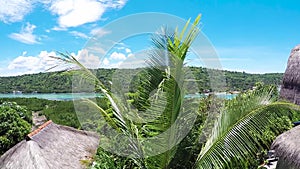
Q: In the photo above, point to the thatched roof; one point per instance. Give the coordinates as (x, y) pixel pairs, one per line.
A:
(290, 89)
(287, 148)
(51, 146)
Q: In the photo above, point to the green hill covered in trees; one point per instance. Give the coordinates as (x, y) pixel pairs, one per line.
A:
(58, 82)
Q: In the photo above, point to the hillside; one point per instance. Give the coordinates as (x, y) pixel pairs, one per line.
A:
(58, 82)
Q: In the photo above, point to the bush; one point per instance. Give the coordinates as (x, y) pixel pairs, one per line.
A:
(15, 123)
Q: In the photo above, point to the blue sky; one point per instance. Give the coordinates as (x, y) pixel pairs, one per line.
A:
(255, 36)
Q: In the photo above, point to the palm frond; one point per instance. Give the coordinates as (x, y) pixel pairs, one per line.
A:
(233, 135)
(167, 57)
(86, 74)
(119, 125)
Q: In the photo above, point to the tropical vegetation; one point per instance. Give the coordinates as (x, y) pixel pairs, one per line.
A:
(15, 124)
(224, 134)
(58, 82)
(214, 133)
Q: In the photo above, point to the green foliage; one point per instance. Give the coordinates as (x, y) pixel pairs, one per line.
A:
(172, 83)
(242, 81)
(32, 104)
(190, 146)
(107, 160)
(90, 119)
(276, 126)
(51, 82)
(239, 131)
(62, 82)
(42, 83)
(15, 123)
(187, 152)
(227, 134)
(61, 112)
(21, 110)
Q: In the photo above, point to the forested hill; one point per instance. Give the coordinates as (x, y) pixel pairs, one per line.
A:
(58, 82)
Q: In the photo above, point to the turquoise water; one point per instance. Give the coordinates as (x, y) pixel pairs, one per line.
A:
(220, 95)
(75, 96)
(51, 96)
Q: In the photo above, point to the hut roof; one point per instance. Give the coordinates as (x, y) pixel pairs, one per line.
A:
(292, 73)
(290, 89)
(287, 148)
(51, 146)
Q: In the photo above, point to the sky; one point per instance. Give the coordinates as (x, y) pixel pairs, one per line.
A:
(254, 36)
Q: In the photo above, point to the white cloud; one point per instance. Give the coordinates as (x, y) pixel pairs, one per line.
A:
(119, 60)
(99, 32)
(130, 55)
(73, 13)
(79, 34)
(118, 4)
(22, 62)
(57, 28)
(28, 64)
(117, 56)
(87, 59)
(109, 64)
(26, 35)
(14, 10)
(33, 64)
(24, 53)
(42, 63)
(105, 61)
(127, 50)
(96, 49)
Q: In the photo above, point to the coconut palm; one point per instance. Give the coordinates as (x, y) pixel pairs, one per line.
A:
(231, 135)
(238, 132)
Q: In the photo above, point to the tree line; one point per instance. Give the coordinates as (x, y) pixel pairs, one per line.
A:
(61, 82)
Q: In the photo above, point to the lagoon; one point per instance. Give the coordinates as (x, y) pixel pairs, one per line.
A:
(76, 96)
(220, 95)
(51, 96)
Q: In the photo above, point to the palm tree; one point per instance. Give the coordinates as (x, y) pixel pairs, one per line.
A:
(238, 132)
(230, 133)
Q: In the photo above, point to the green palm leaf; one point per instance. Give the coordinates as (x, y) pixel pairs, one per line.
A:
(230, 136)
(118, 122)
(233, 135)
(170, 50)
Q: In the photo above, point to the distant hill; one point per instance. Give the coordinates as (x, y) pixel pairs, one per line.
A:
(58, 82)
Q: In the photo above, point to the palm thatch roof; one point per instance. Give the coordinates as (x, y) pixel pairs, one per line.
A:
(290, 89)
(287, 148)
(51, 146)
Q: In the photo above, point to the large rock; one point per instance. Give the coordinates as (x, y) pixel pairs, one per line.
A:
(290, 89)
